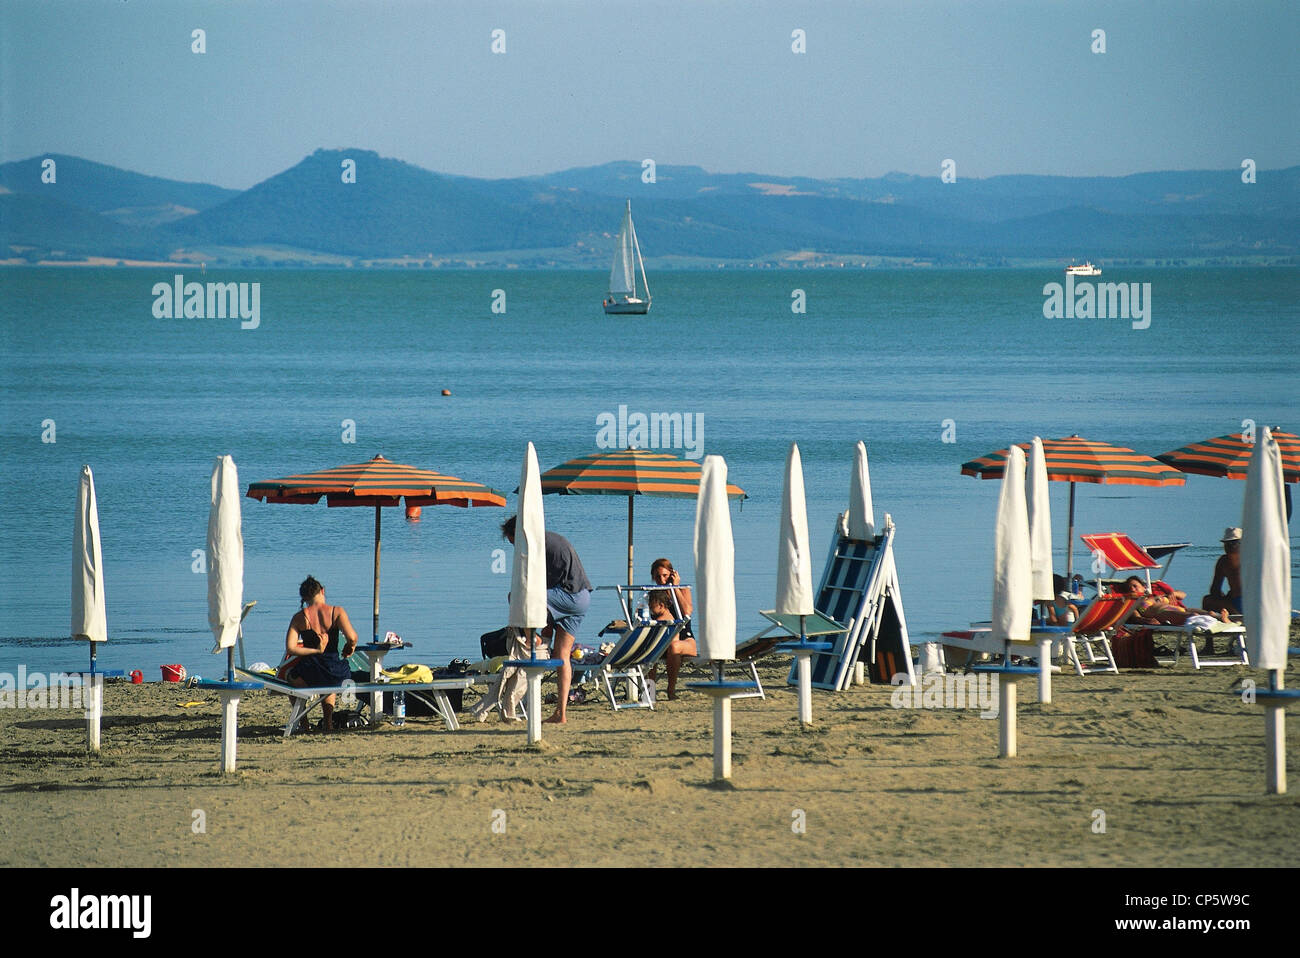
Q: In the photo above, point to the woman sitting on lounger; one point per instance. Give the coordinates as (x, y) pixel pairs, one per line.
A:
(660, 604)
(312, 644)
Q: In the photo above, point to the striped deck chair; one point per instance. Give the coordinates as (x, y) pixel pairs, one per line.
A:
(1121, 553)
(637, 650)
(1092, 629)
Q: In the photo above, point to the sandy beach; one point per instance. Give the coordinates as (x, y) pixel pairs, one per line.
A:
(1173, 760)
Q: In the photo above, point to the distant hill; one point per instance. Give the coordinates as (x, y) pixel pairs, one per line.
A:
(42, 227)
(115, 192)
(395, 211)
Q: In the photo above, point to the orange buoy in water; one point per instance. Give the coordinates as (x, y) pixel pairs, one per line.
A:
(413, 513)
(446, 392)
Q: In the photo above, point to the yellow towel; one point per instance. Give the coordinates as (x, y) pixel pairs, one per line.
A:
(409, 673)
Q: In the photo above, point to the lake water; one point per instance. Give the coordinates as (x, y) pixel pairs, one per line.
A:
(887, 357)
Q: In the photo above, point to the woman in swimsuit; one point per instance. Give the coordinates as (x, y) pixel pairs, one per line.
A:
(312, 645)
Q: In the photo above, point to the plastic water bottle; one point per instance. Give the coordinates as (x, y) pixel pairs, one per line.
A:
(642, 613)
(399, 708)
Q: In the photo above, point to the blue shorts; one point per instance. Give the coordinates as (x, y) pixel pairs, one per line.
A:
(566, 610)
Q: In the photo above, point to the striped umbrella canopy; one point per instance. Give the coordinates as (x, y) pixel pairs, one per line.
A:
(1228, 457)
(629, 472)
(377, 483)
(1075, 459)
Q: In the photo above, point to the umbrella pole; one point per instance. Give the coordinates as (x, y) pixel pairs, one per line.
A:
(1069, 541)
(1275, 739)
(629, 540)
(94, 714)
(375, 626)
(805, 675)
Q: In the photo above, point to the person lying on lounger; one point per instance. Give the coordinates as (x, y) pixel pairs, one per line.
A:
(312, 645)
(1168, 609)
(660, 604)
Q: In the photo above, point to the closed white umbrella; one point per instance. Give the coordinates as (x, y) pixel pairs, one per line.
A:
(1040, 552)
(1013, 589)
(1040, 523)
(528, 577)
(1266, 557)
(715, 566)
(225, 555)
(861, 519)
(226, 595)
(528, 584)
(715, 601)
(89, 615)
(794, 590)
(89, 610)
(1266, 592)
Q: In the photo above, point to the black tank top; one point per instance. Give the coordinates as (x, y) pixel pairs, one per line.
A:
(331, 638)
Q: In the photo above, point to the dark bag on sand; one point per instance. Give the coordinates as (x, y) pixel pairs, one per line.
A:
(495, 643)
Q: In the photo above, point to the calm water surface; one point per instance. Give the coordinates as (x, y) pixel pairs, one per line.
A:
(886, 357)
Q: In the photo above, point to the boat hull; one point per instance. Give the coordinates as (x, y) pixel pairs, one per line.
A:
(634, 307)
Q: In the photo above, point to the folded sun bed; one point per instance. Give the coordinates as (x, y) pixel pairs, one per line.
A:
(305, 699)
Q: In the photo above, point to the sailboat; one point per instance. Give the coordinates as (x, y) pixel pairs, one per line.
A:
(622, 298)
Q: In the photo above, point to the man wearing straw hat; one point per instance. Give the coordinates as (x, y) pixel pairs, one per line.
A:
(1226, 571)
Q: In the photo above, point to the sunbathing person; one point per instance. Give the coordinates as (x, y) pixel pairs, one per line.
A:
(312, 646)
(660, 604)
(1227, 571)
(1163, 609)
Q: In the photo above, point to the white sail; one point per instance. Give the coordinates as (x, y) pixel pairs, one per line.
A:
(622, 275)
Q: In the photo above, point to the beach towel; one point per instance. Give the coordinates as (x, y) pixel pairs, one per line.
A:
(409, 673)
(1134, 650)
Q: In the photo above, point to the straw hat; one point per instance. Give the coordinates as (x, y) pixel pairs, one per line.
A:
(1231, 534)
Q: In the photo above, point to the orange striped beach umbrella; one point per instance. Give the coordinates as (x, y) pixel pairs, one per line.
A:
(377, 483)
(1228, 457)
(1075, 459)
(629, 472)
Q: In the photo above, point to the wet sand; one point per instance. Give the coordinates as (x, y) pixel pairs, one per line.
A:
(1173, 761)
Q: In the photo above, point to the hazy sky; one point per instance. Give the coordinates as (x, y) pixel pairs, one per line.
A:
(999, 87)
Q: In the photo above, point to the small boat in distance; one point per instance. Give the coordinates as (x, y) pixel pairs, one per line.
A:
(1085, 269)
(623, 298)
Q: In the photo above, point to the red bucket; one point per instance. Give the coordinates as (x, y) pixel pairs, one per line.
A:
(173, 673)
(137, 677)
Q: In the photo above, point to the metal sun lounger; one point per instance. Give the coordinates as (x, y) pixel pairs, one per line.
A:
(305, 699)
